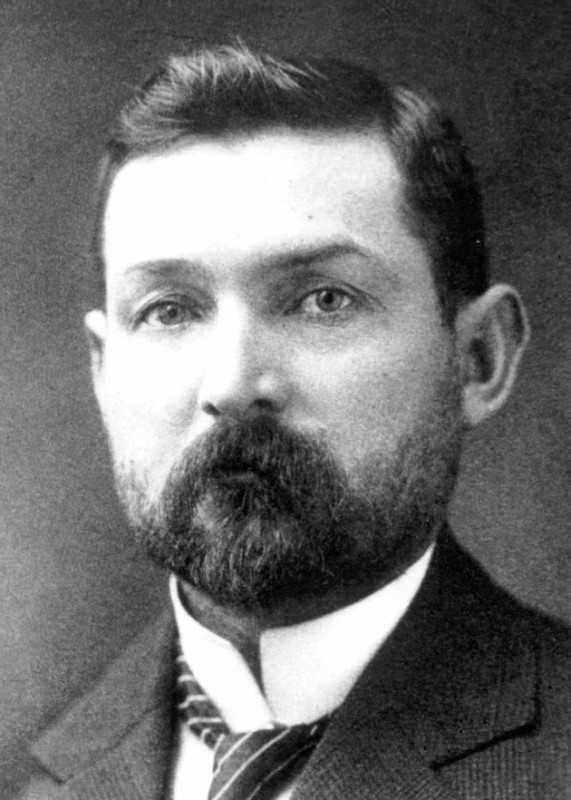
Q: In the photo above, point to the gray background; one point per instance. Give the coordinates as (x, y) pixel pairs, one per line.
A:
(73, 588)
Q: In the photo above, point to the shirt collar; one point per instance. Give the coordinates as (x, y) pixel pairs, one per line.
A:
(307, 669)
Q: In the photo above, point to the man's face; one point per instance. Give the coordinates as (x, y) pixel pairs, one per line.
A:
(270, 283)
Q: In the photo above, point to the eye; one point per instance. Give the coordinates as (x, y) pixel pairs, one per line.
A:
(167, 314)
(327, 301)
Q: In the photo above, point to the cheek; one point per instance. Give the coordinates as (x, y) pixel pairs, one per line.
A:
(367, 401)
(146, 400)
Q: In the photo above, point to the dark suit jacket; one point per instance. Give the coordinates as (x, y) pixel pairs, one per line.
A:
(469, 698)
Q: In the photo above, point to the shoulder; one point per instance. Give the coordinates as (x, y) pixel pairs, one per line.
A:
(531, 652)
(492, 615)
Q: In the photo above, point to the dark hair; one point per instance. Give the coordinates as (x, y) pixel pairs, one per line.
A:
(231, 90)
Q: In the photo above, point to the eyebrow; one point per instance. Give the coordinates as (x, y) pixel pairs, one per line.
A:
(307, 256)
(296, 258)
(161, 267)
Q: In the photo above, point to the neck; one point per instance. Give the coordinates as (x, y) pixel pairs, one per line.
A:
(244, 628)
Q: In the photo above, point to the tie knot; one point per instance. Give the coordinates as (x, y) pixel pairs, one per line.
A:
(247, 766)
(255, 764)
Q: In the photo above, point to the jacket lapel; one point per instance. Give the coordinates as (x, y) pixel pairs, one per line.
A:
(137, 769)
(458, 675)
(117, 742)
(375, 766)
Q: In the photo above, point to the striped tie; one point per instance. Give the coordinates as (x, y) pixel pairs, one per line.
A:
(247, 766)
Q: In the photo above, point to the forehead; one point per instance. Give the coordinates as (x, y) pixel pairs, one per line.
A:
(235, 196)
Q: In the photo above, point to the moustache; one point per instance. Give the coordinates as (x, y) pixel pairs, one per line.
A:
(260, 450)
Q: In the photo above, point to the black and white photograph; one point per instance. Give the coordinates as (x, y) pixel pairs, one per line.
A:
(285, 487)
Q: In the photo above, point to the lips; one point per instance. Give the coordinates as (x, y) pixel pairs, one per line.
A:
(239, 474)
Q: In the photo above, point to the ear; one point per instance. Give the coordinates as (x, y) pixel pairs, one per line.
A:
(96, 329)
(491, 334)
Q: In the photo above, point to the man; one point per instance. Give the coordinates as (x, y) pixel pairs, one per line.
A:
(298, 330)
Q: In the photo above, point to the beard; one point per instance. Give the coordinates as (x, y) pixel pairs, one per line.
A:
(256, 514)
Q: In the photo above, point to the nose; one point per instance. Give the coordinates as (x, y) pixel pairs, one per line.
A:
(243, 375)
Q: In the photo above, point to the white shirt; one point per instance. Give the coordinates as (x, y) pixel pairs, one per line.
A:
(307, 670)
